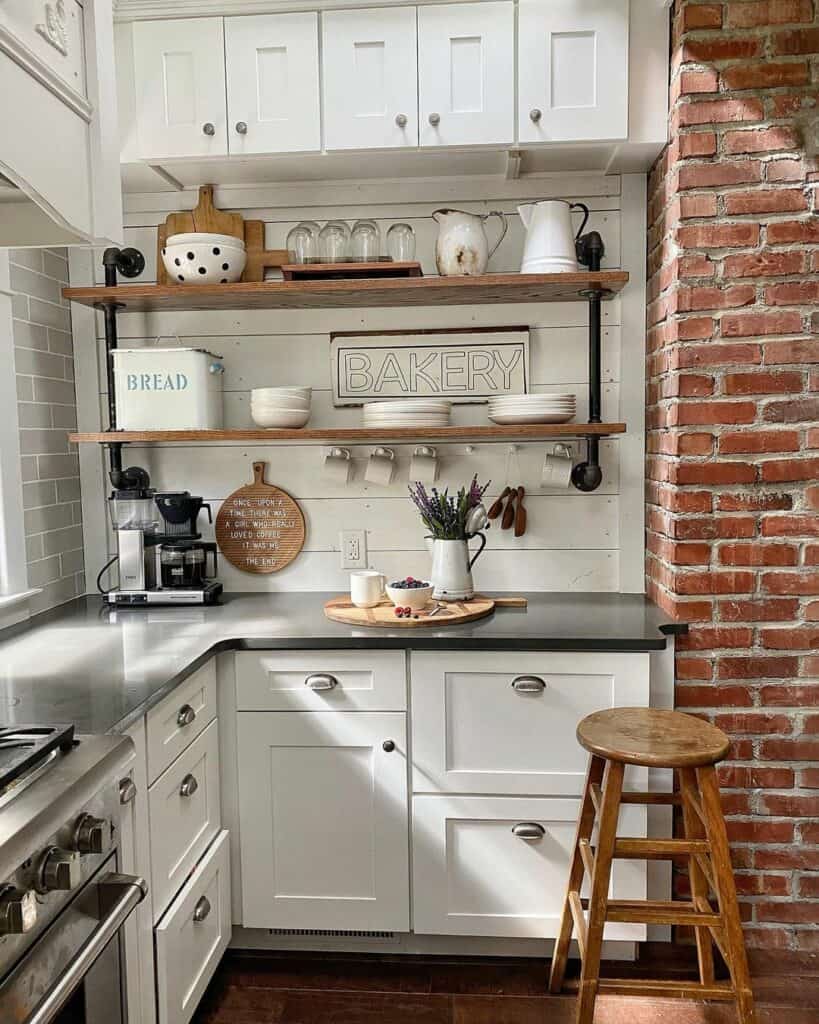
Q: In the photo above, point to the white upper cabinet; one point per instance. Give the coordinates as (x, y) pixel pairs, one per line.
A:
(370, 78)
(273, 83)
(572, 70)
(179, 70)
(466, 60)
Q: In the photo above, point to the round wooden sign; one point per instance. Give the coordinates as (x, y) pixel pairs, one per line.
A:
(260, 528)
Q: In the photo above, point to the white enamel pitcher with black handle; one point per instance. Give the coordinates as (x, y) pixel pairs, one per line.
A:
(550, 237)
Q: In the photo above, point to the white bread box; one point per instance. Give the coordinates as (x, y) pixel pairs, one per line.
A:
(168, 389)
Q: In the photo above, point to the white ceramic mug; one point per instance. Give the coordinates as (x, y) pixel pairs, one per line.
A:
(380, 467)
(424, 465)
(338, 466)
(367, 588)
(557, 467)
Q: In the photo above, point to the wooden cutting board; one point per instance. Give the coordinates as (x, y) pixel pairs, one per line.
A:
(260, 528)
(205, 217)
(454, 613)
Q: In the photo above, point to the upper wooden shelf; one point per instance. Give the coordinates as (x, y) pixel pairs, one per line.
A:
(364, 435)
(416, 291)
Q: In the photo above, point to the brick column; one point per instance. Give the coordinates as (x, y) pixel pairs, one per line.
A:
(733, 442)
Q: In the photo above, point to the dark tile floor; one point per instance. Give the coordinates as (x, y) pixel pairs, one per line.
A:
(283, 988)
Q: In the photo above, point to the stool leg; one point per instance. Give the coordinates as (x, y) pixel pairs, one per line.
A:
(585, 824)
(694, 829)
(599, 897)
(726, 893)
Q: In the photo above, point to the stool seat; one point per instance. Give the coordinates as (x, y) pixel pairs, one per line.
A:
(652, 737)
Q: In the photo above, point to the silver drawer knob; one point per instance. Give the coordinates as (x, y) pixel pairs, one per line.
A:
(189, 786)
(434, 120)
(201, 910)
(241, 127)
(528, 684)
(208, 128)
(401, 120)
(529, 830)
(535, 115)
(321, 681)
(127, 790)
(186, 716)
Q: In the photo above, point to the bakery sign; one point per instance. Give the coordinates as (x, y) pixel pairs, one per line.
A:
(462, 366)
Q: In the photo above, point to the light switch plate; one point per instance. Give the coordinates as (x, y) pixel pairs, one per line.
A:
(353, 549)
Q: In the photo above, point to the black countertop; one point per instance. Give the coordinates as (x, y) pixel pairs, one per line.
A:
(102, 669)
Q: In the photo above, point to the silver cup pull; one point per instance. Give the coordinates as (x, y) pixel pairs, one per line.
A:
(401, 120)
(189, 786)
(535, 115)
(241, 127)
(434, 120)
(528, 684)
(321, 681)
(201, 910)
(529, 830)
(185, 716)
(209, 128)
(127, 791)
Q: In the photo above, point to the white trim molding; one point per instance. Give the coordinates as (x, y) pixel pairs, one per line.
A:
(153, 10)
(46, 76)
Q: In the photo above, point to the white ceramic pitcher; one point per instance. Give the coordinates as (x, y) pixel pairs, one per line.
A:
(452, 569)
(550, 238)
(462, 248)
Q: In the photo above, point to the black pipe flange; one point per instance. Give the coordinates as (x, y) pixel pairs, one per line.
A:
(127, 262)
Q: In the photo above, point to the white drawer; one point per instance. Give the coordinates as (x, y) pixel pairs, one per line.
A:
(185, 815)
(321, 681)
(474, 876)
(178, 720)
(473, 731)
(193, 935)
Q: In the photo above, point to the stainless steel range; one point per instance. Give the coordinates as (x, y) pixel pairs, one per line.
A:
(62, 900)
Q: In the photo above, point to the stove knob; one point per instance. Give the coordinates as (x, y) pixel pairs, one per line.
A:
(18, 910)
(59, 870)
(92, 835)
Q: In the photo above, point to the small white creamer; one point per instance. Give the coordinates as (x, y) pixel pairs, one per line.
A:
(168, 389)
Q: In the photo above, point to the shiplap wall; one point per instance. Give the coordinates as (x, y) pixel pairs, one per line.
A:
(574, 541)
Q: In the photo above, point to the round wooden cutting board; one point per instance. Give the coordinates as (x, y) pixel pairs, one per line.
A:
(260, 528)
(454, 613)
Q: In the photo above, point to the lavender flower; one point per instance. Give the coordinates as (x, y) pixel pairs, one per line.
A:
(445, 515)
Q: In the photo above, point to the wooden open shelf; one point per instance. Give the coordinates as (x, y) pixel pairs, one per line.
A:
(418, 291)
(363, 435)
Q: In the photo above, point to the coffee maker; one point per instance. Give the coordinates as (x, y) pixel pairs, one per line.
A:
(159, 566)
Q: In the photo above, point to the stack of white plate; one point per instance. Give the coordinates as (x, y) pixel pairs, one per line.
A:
(280, 407)
(407, 412)
(537, 408)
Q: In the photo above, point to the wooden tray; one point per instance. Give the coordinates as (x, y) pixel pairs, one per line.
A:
(455, 613)
(349, 271)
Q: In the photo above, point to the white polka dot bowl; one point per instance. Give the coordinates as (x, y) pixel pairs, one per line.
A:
(203, 258)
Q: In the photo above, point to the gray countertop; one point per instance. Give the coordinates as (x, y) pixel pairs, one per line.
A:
(101, 669)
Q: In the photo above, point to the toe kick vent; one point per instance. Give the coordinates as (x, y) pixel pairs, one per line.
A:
(327, 933)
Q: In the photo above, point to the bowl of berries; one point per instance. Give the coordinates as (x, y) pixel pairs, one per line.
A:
(409, 595)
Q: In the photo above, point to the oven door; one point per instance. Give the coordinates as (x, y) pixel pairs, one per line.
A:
(71, 975)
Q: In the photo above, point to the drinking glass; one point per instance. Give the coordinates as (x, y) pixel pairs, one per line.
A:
(401, 243)
(301, 244)
(334, 242)
(365, 241)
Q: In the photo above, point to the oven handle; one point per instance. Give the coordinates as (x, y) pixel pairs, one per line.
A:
(119, 895)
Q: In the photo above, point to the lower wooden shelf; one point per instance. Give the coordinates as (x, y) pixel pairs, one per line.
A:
(362, 435)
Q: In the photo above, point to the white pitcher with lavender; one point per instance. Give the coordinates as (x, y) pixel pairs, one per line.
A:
(452, 522)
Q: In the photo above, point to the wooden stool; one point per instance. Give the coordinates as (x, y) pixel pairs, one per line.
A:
(656, 739)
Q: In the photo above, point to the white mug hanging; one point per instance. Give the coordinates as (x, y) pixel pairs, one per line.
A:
(338, 465)
(424, 465)
(557, 467)
(380, 467)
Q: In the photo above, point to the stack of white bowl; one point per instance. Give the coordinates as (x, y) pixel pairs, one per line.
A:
(537, 408)
(283, 408)
(408, 412)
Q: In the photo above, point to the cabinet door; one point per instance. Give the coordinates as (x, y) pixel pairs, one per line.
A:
(573, 70)
(323, 817)
(466, 53)
(179, 71)
(273, 83)
(369, 60)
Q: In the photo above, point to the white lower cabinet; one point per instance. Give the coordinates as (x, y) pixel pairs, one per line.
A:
(193, 934)
(498, 866)
(324, 820)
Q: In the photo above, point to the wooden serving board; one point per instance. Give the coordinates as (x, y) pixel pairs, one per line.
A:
(455, 613)
(349, 271)
(260, 528)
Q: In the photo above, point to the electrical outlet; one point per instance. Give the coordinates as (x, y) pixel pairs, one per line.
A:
(353, 549)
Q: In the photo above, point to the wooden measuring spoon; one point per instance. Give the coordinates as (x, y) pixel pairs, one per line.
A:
(520, 514)
(497, 506)
(509, 512)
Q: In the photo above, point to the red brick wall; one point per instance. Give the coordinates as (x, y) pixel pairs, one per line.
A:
(733, 441)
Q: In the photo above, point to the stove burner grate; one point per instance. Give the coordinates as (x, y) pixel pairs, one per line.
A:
(23, 746)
